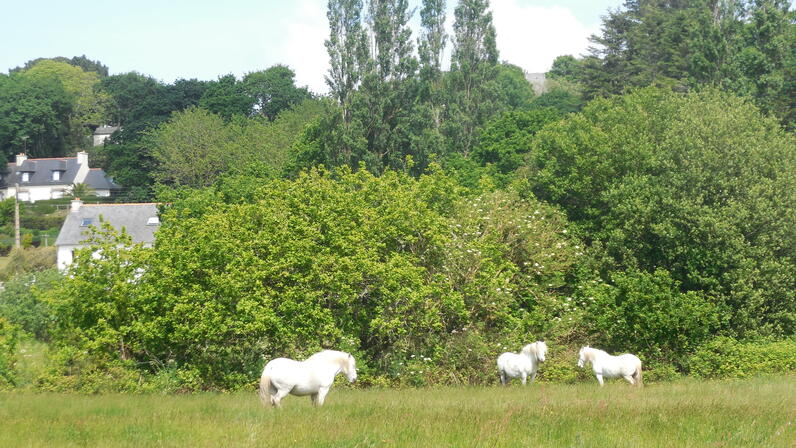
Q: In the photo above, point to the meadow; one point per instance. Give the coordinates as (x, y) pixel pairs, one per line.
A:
(758, 412)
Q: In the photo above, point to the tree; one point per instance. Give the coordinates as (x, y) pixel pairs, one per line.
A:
(347, 48)
(227, 98)
(274, 90)
(90, 103)
(81, 190)
(514, 90)
(471, 86)
(566, 67)
(34, 116)
(188, 148)
(506, 140)
(658, 180)
(78, 61)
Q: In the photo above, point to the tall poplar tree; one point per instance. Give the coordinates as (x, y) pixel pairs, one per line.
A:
(471, 82)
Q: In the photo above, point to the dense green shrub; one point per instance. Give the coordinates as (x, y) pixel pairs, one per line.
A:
(26, 260)
(646, 314)
(72, 369)
(700, 185)
(386, 268)
(42, 222)
(22, 304)
(8, 346)
(725, 357)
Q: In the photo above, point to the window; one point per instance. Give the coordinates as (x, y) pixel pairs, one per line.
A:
(153, 221)
(85, 222)
(25, 176)
(56, 175)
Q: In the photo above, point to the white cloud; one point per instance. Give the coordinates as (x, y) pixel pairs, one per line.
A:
(528, 36)
(303, 49)
(533, 36)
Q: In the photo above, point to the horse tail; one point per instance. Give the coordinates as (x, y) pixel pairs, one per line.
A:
(637, 375)
(265, 389)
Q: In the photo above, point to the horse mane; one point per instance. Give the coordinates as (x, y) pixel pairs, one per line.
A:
(591, 353)
(335, 356)
(531, 349)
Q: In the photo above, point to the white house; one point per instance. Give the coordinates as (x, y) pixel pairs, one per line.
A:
(140, 221)
(103, 133)
(51, 178)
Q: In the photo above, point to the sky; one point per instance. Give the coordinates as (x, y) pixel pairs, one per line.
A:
(204, 39)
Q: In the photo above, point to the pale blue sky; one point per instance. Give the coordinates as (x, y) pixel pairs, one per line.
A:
(170, 39)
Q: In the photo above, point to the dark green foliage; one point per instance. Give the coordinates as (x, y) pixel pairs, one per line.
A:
(505, 140)
(515, 90)
(698, 185)
(227, 97)
(566, 68)
(743, 46)
(274, 90)
(728, 358)
(646, 314)
(34, 116)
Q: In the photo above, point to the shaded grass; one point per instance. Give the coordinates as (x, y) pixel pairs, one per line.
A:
(757, 412)
(4, 262)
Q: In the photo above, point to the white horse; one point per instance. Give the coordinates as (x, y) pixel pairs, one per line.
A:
(512, 365)
(608, 366)
(313, 376)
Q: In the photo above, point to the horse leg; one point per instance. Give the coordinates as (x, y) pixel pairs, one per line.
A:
(599, 378)
(629, 379)
(502, 377)
(276, 398)
(524, 378)
(314, 399)
(533, 376)
(321, 395)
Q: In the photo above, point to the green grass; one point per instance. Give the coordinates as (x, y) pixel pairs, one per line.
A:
(4, 262)
(751, 413)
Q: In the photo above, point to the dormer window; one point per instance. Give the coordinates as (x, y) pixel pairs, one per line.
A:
(85, 222)
(153, 221)
(57, 174)
(25, 176)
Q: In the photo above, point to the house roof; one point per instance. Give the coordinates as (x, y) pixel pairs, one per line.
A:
(41, 171)
(132, 217)
(41, 174)
(97, 180)
(106, 130)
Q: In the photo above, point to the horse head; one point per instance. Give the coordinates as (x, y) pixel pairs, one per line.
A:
(541, 350)
(583, 356)
(350, 368)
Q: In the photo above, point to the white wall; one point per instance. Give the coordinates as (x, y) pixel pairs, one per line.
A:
(64, 256)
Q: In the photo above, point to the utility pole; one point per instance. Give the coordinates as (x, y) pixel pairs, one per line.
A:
(17, 239)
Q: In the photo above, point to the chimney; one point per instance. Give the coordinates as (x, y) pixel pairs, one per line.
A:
(21, 157)
(82, 158)
(76, 203)
(82, 168)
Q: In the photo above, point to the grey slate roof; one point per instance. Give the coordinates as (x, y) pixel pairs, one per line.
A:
(41, 172)
(133, 217)
(97, 179)
(106, 130)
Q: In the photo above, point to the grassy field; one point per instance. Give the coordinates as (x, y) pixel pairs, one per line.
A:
(751, 413)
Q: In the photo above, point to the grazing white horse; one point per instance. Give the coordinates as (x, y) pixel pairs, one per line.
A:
(313, 376)
(512, 365)
(608, 366)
